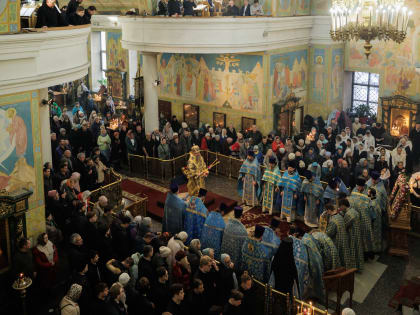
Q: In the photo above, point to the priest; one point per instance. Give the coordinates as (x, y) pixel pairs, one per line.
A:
(290, 183)
(249, 180)
(329, 253)
(316, 266)
(256, 257)
(174, 211)
(271, 236)
(234, 236)
(270, 181)
(213, 229)
(313, 192)
(360, 202)
(195, 215)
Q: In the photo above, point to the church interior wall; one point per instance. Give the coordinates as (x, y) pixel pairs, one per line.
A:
(21, 161)
(9, 16)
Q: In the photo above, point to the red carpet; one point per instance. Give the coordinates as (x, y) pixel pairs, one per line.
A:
(157, 198)
(256, 217)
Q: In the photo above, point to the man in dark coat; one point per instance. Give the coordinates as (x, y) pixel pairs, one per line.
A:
(246, 9)
(232, 10)
(174, 8)
(77, 18)
(415, 139)
(189, 6)
(49, 16)
(72, 6)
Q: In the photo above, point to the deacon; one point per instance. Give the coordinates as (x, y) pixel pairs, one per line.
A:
(336, 229)
(195, 171)
(352, 222)
(256, 257)
(291, 183)
(195, 215)
(271, 236)
(270, 183)
(316, 266)
(234, 236)
(302, 265)
(381, 194)
(360, 202)
(329, 253)
(376, 211)
(213, 229)
(313, 192)
(174, 211)
(249, 179)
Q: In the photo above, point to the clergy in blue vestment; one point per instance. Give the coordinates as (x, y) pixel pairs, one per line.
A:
(234, 237)
(249, 180)
(301, 259)
(290, 183)
(316, 266)
(270, 238)
(256, 257)
(335, 186)
(313, 191)
(195, 215)
(174, 211)
(381, 194)
(213, 229)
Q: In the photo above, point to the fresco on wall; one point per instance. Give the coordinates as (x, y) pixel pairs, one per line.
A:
(283, 8)
(319, 76)
(320, 7)
(9, 16)
(302, 7)
(266, 4)
(117, 57)
(337, 68)
(289, 72)
(16, 145)
(231, 81)
(396, 63)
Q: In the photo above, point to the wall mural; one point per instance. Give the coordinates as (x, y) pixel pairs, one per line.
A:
(302, 7)
(9, 16)
(320, 7)
(289, 71)
(117, 57)
(230, 81)
(337, 75)
(16, 145)
(319, 82)
(396, 63)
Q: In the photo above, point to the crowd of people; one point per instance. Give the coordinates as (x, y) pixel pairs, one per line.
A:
(118, 265)
(50, 15)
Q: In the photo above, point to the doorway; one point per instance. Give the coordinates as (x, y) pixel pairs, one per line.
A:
(165, 110)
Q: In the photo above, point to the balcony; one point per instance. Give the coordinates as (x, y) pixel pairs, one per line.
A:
(220, 34)
(40, 59)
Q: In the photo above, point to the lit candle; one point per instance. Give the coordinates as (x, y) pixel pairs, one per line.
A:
(21, 276)
(370, 17)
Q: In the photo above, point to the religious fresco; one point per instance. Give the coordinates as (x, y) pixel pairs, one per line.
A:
(320, 7)
(302, 7)
(9, 16)
(117, 57)
(397, 64)
(289, 72)
(337, 68)
(283, 8)
(319, 75)
(229, 81)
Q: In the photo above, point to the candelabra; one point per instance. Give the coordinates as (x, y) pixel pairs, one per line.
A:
(369, 20)
(20, 285)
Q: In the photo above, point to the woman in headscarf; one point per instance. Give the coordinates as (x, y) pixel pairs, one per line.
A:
(398, 155)
(100, 169)
(46, 259)
(267, 157)
(75, 177)
(167, 131)
(277, 144)
(227, 278)
(194, 254)
(66, 124)
(68, 305)
(145, 226)
(92, 117)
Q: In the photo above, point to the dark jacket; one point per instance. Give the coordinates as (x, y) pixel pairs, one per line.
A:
(247, 11)
(75, 19)
(49, 17)
(72, 6)
(163, 8)
(232, 11)
(174, 7)
(189, 6)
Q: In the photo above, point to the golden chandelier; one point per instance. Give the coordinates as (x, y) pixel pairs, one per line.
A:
(369, 20)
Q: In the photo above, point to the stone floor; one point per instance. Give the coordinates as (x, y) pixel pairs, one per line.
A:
(388, 271)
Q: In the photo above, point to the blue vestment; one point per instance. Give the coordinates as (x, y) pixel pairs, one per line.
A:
(173, 214)
(301, 260)
(316, 265)
(195, 216)
(291, 185)
(271, 240)
(234, 237)
(212, 234)
(248, 173)
(256, 259)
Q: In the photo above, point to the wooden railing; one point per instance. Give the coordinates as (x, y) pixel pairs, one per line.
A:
(111, 189)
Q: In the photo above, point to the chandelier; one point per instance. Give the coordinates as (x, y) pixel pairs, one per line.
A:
(369, 20)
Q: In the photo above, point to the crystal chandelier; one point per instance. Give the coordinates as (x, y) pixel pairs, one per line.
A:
(369, 20)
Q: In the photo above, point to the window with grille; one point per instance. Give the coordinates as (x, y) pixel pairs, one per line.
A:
(103, 54)
(365, 90)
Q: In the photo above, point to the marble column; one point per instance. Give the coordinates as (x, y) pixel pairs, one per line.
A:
(44, 119)
(150, 75)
